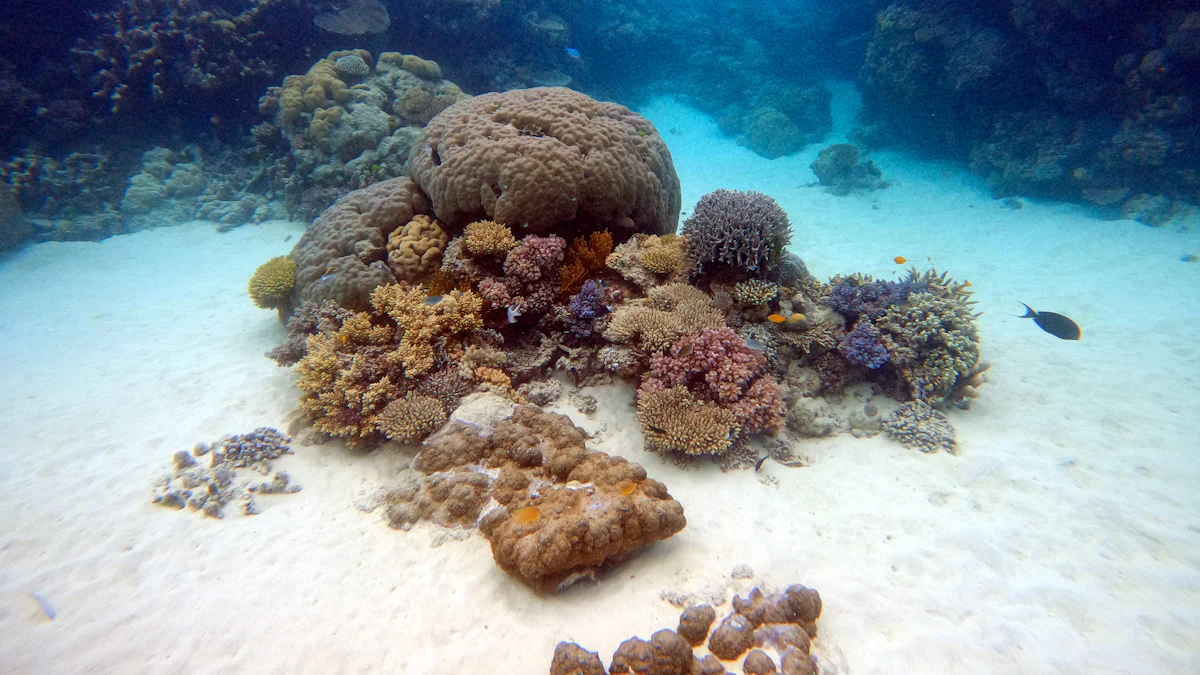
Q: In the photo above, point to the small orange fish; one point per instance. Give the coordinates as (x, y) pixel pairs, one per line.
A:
(900, 260)
(328, 270)
(776, 318)
(343, 339)
(526, 515)
(626, 487)
(967, 284)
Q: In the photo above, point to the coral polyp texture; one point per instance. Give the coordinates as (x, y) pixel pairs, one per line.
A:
(737, 234)
(779, 627)
(553, 511)
(547, 159)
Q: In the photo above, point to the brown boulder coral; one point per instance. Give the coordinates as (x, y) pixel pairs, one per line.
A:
(415, 249)
(562, 511)
(786, 627)
(341, 255)
(547, 159)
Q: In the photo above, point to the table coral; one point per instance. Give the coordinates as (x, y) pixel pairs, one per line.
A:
(668, 312)
(561, 511)
(546, 160)
(652, 260)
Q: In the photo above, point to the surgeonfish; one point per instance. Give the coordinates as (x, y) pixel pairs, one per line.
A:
(1055, 324)
(433, 299)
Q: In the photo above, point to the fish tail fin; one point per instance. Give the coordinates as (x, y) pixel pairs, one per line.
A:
(1029, 313)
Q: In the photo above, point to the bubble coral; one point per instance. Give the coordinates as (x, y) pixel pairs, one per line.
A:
(544, 160)
(733, 232)
(272, 283)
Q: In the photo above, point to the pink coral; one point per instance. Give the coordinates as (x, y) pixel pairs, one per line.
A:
(716, 365)
(531, 275)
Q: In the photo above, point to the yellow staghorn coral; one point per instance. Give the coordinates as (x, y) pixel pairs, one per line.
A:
(650, 260)
(272, 282)
(673, 420)
(423, 319)
(411, 419)
(342, 389)
(415, 249)
(488, 238)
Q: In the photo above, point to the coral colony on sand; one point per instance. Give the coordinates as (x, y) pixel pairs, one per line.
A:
(535, 234)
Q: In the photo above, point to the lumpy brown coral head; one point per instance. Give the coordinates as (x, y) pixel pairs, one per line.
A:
(547, 159)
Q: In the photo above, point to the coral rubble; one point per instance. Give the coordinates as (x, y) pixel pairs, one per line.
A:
(209, 489)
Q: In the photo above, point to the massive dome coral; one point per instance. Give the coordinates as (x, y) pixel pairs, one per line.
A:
(547, 159)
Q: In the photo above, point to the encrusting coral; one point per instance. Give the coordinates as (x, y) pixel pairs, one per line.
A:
(784, 624)
(545, 160)
(272, 283)
(560, 511)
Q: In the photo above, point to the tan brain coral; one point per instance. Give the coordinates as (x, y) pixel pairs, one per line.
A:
(415, 250)
(545, 159)
(341, 257)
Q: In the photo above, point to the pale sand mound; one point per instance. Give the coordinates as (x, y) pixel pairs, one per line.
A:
(1063, 539)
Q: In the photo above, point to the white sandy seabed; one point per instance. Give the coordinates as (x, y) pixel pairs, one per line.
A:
(1062, 539)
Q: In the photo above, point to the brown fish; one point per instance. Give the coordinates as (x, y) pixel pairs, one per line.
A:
(1057, 325)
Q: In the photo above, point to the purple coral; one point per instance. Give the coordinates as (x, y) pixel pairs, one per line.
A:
(853, 299)
(535, 258)
(588, 303)
(862, 347)
(734, 231)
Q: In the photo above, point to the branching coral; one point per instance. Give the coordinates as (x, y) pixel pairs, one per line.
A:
(531, 278)
(859, 295)
(755, 292)
(410, 419)
(670, 311)
(308, 319)
(422, 320)
(675, 421)
(716, 365)
(733, 233)
(585, 258)
(935, 342)
(916, 425)
(862, 346)
(652, 260)
(272, 283)
(488, 238)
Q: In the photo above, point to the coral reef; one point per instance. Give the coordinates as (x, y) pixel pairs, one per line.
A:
(737, 234)
(668, 312)
(554, 159)
(916, 425)
(488, 238)
(784, 623)
(532, 276)
(209, 489)
(341, 256)
(14, 231)
(410, 419)
(841, 171)
(414, 251)
(335, 129)
(559, 513)
(309, 319)
(271, 285)
(652, 260)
